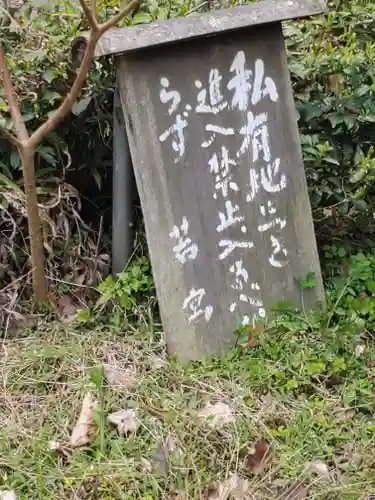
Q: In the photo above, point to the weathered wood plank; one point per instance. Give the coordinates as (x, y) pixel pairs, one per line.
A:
(237, 239)
(120, 40)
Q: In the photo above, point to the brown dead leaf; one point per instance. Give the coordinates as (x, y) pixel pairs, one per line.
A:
(164, 451)
(85, 427)
(259, 458)
(343, 414)
(352, 456)
(298, 491)
(119, 378)
(157, 362)
(67, 309)
(125, 420)
(60, 449)
(217, 415)
(335, 84)
(320, 469)
(160, 460)
(234, 487)
(146, 465)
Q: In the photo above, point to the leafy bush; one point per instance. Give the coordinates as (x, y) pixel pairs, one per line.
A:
(332, 61)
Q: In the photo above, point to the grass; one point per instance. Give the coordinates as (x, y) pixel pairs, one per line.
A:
(305, 391)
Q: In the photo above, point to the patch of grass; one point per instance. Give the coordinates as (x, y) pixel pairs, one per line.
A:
(306, 389)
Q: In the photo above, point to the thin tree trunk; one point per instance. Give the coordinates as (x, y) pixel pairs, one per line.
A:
(35, 226)
(27, 145)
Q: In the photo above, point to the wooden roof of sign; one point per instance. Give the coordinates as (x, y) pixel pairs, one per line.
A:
(121, 40)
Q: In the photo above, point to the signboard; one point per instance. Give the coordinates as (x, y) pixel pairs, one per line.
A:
(214, 141)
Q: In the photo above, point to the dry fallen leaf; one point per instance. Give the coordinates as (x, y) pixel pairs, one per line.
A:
(7, 495)
(353, 458)
(321, 469)
(259, 458)
(59, 448)
(343, 414)
(85, 427)
(267, 403)
(67, 309)
(164, 450)
(216, 415)
(235, 487)
(359, 350)
(297, 492)
(118, 378)
(158, 362)
(125, 420)
(146, 465)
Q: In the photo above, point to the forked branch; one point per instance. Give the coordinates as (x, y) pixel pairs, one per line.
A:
(97, 30)
(27, 144)
(90, 14)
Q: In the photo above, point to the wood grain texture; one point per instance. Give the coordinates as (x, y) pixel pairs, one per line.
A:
(120, 40)
(171, 188)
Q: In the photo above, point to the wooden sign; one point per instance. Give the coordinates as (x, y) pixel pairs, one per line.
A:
(214, 141)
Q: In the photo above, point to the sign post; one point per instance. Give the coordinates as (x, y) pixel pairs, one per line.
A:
(214, 142)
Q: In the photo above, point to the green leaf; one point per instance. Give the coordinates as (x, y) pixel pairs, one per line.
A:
(341, 252)
(28, 116)
(142, 18)
(357, 176)
(15, 160)
(96, 375)
(49, 75)
(333, 161)
(360, 205)
(51, 96)
(308, 282)
(48, 155)
(335, 119)
(80, 106)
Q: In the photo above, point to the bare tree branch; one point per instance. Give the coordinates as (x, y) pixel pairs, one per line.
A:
(90, 14)
(18, 123)
(10, 137)
(93, 10)
(70, 99)
(133, 4)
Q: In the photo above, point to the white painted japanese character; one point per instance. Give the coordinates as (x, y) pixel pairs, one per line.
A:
(277, 249)
(247, 321)
(256, 133)
(269, 175)
(215, 97)
(167, 96)
(251, 300)
(270, 210)
(223, 177)
(177, 130)
(193, 302)
(230, 245)
(254, 184)
(216, 130)
(257, 303)
(240, 83)
(184, 249)
(269, 178)
(269, 87)
(229, 218)
(241, 275)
